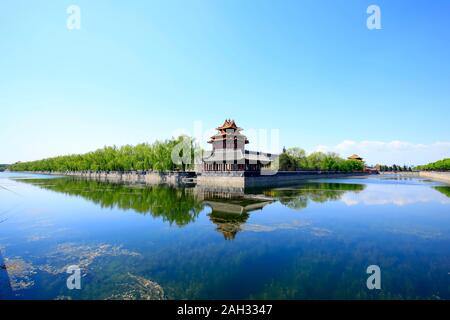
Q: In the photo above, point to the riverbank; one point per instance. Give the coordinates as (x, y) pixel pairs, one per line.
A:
(232, 179)
(433, 175)
(281, 178)
(144, 177)
(438, 176)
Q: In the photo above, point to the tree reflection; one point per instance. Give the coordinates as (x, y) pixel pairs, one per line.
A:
(181, 206)
(445, 190)
(298, 198)
(175, 205)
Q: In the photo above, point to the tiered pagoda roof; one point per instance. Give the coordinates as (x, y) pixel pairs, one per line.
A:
(228, 130)
(355, 157)
(228, 124)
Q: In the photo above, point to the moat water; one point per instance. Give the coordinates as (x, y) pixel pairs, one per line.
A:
(314, 240)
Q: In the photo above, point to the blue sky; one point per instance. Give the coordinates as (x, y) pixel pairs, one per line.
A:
(140, 70)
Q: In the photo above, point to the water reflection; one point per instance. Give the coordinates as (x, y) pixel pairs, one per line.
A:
(445, 190)
(277, 252)
(174, 205)
(230, 209)
(298, 198)
(406, 195)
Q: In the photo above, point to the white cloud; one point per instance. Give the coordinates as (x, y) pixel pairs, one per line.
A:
(398, 152)
(398, 195)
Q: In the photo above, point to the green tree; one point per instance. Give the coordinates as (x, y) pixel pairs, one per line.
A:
(144, 156)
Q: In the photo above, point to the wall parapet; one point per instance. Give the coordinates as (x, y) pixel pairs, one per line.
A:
(232, 179)
(147, 177)
(282, 178)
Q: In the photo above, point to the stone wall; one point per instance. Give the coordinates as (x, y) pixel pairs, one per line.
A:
(147, 177)
(223, 181)
(232, 180)
(242, 180)
(284, 179)
(439, 176)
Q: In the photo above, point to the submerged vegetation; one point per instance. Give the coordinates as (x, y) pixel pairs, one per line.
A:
(294, 159)
(318, 253)
(156, 156)
(441, 165)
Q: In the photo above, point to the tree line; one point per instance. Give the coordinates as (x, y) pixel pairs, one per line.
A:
(441, 165)
(295, 159)
(393, 168)
(3, 167)
(158, 157)
(142, 157)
